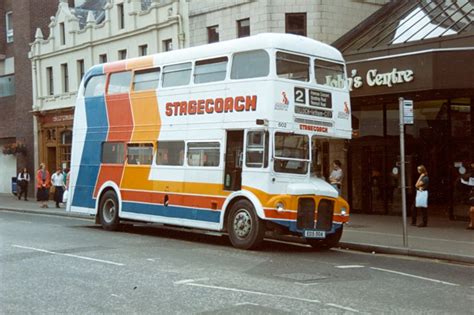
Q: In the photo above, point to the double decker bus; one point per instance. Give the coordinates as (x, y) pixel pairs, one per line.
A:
(218, 137)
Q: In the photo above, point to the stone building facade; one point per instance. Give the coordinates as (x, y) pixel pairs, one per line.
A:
(18, 22)
(91, 33)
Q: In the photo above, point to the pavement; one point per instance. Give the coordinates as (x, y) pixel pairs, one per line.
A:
(442, 239)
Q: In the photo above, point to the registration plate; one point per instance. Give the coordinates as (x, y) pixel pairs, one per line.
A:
(314, 234)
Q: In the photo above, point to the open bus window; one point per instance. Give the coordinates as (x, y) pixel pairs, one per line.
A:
(250, 64)
(113, 153)
(170, 153)
(293, 67)
(203, 153)
(119, 82)
(291, 153)
(95, 86)
(140, 153)
(146, 79)
(329, 73)
(257, 149)
(176, 75)
(210, 70)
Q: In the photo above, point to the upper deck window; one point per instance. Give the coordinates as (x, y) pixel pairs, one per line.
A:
(329, 73)
(146, 79)
(293, 67)
(119, 82)
(250, 64)
(210, 70)
(95, 86)
(177, 75)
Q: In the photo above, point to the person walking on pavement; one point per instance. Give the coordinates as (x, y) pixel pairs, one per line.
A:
(58, 182)
(23, 181)
(422, 197)
(43, 181)
(336, 176)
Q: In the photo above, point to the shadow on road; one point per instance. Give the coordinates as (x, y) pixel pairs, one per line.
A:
(206, 237)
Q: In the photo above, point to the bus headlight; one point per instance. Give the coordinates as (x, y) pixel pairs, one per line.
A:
(343, 211)
(280, 206)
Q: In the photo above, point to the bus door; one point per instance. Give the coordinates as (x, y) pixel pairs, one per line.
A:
(233, 160)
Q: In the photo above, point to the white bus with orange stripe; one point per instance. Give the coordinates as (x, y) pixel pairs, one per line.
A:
(217, 137)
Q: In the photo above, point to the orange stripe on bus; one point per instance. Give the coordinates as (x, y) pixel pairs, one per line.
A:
(140, 63)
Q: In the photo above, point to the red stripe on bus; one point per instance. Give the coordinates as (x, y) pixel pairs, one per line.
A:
(120, 117)
(202, 202)
(115, 66)
(108, 172)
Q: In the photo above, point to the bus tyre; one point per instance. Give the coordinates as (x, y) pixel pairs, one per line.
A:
(109, 211)
(246, 230)
(330, 241)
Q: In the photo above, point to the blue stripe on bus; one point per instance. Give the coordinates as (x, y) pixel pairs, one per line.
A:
(97, 128)
(172, 211)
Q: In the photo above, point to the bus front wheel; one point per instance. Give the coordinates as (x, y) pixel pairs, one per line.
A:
(246, 230)
(109, 211)
(331, 241)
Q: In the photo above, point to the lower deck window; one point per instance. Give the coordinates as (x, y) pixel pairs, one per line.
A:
(140, 153)
(203, 153)
(112, 153)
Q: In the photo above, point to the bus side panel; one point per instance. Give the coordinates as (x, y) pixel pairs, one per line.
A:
(97, 127)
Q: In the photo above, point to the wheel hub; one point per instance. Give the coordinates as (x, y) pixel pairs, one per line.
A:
(242, 223)
(109, 210)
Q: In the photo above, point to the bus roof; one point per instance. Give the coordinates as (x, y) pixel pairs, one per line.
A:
(289, 42)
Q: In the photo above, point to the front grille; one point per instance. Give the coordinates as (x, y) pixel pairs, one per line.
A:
(305, 217)
(325, 212)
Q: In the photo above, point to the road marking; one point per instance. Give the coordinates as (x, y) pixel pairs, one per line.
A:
(70, 255)
(271, 295)
(415, 276)
(190, 280)
(342, 307)
(349, 266)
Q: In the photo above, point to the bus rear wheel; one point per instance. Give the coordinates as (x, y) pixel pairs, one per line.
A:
(330, 241)
(246, 230)
(109, 211)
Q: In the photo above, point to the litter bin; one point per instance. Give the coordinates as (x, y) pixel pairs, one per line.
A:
(14, 186)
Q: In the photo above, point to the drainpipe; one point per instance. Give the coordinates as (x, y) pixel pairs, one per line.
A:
(179, 18)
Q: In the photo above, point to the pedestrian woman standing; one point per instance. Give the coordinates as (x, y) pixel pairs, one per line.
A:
(421, 201)
(58, 182)
(43, 181)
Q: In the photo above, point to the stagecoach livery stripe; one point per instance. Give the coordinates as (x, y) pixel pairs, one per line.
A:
(97, 127)
(146, 128)
(119, 116)
(203, 202)
(115, 66)
(173, 211)
(146, 116)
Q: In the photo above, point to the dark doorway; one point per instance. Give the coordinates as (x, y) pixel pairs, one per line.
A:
(51, 163)
(233, 160)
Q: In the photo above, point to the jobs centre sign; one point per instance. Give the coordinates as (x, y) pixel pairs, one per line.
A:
(375, 78)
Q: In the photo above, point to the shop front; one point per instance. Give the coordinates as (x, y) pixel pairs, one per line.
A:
(55, 138)
(437, 74)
